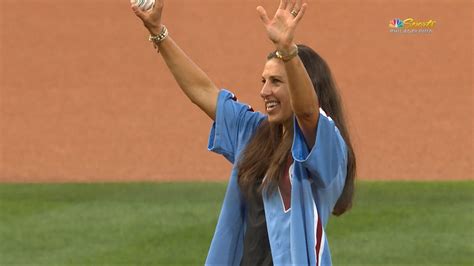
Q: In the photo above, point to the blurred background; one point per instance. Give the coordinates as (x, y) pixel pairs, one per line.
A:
(85, 97)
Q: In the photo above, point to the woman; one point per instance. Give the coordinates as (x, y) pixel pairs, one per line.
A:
(292, 167)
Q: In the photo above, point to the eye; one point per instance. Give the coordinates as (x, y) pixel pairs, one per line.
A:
(276, 81)
(263, 81)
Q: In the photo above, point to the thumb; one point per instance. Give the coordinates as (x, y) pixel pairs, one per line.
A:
(263, 15)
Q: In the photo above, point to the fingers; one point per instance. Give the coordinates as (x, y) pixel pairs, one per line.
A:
(158, 5)
(283, 4)
(263, 15)
(291, 5)
(138, 12)
(297, 6)
(301, 13)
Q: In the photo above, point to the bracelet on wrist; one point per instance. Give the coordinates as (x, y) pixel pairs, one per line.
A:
(156, 39)
(285, 57)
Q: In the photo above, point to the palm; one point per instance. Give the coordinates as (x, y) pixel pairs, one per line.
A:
(281, 27)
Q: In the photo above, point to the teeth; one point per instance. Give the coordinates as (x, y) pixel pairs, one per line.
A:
(271, 104)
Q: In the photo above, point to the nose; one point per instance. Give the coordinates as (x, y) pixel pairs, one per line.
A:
(266, 91)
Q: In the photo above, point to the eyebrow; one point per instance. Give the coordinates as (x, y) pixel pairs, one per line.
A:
(274, 77)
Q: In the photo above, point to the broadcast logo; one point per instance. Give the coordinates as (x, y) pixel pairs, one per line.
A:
(411, 25)
(396, 23)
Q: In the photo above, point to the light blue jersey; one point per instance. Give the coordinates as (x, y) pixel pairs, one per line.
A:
(317, 178)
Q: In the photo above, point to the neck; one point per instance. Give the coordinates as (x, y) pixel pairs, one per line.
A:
(287, 126)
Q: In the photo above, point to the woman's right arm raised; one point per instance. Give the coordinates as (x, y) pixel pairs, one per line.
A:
(192, 80)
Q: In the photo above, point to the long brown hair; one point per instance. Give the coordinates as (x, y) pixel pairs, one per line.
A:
(268, 150)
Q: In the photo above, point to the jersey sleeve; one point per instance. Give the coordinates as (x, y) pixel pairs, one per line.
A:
(326, 162)
(234, 124)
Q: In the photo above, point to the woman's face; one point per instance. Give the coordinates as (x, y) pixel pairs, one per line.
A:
(275, 92)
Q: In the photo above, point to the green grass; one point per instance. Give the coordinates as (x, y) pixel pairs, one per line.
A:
(430, 223)
(173, 223)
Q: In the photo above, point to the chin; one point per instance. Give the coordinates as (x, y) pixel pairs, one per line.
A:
(274, 120)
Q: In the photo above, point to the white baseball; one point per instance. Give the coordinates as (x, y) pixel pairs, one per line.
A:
(143, 4)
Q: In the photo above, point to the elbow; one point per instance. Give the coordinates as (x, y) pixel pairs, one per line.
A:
(203, 93)
(310, 113)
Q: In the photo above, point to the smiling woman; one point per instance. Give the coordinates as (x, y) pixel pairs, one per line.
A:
(275, 93)
(276, 97)
(292, 167)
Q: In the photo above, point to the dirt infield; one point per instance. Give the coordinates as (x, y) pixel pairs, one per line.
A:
(84, 96)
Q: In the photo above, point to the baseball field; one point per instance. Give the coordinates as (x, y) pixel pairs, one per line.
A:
(103, 159)
(396, 223)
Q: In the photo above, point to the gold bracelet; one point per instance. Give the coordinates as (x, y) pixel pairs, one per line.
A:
(156, 39)
(286, 57)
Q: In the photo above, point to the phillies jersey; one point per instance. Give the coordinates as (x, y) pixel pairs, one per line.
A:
(316, 180)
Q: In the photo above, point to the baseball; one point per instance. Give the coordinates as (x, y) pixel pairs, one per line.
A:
(143, 4)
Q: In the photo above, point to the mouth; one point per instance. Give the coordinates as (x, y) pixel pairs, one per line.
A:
(271, 105)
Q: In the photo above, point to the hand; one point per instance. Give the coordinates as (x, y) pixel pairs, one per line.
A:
(151, 18)
(281, 28)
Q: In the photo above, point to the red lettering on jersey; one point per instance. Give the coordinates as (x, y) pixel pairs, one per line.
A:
(285, 185)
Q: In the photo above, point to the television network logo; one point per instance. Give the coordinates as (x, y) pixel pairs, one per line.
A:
(396, 23)
(410, 25)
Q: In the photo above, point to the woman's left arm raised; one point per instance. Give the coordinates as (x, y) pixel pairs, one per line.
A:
(303, 98)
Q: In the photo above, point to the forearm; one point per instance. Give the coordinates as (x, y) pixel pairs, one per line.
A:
(303, 98)
(192, 80)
